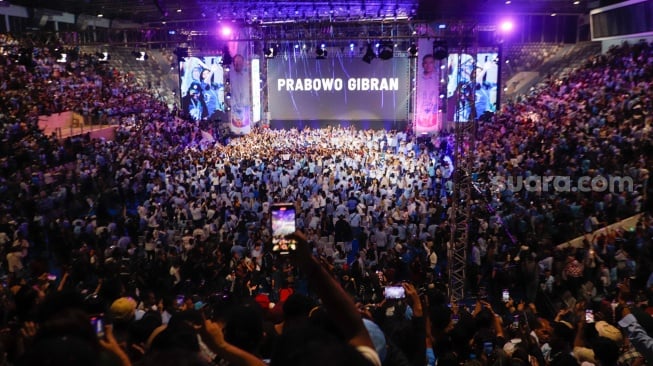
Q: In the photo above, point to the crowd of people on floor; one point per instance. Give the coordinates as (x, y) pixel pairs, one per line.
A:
(154, 247)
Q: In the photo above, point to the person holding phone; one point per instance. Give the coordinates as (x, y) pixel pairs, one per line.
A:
(283, 219)
(341, 308)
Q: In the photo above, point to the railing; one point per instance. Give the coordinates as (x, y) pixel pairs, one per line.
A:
(626, 224)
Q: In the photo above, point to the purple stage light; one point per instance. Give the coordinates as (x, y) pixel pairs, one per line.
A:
(225, 31)
(506, 26)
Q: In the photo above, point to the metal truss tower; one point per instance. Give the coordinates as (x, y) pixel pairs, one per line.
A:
(465, 36)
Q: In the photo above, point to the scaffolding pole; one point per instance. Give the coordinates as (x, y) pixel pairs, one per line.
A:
(464, 142)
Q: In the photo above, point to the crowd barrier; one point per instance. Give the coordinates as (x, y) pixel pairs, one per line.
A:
(626, 224)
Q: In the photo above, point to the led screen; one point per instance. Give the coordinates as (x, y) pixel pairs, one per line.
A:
(202, 87)
(462, 70)
(338, 88)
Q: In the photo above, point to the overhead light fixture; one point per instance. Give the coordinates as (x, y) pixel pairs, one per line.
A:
(100, 15)
(369, 54)
(178, 10)
(141, 56)
(271, 51)
(386, 50)
(321, 52)
(440, 50)
(412, 50)
(506, 26)
(103, 56)
(225, 31)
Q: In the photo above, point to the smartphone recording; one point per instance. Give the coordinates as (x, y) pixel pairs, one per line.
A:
(97, 322)
(394, 292)
(180, 300)
(488, 348)
(283, 224)
(589, 316)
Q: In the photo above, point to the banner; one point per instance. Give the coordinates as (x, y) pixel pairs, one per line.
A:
(429, 99)
(240, 96)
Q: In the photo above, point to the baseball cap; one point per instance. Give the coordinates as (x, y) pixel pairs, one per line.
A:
(608, 331)
(123, 308)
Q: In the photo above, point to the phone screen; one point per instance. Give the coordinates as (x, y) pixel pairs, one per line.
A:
(589, 316)
(488, 347)
(505, 296)
(394, 292)
(97, 322)
(283, 224)
(515, 321)
(180, 300)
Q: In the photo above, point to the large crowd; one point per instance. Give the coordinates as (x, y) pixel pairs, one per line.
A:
(159, 240)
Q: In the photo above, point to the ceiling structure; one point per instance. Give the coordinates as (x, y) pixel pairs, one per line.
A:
(196, 23)
(167, 13)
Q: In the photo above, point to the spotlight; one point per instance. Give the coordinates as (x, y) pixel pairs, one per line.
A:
(141, 56)
(440, 50)
(103, 56)
(369, 54)
(226, 57)
(225, 31)
(386, 51)
(506, 26)
(412, 50)
(321, 52)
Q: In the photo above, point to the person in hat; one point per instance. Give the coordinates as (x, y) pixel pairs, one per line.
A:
(194, 104)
